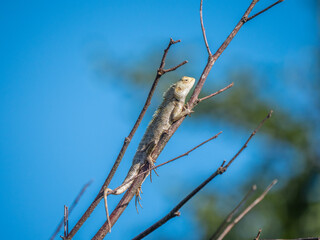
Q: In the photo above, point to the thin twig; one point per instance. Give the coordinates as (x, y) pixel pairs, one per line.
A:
(258, 235)
(127, 140)
(162, 164)
(217, 54)
(216, 93)
(204, 31)
(251, 136)
(65, 222)
(248, 209)
(267, 8)
(232, 213)
(174, 68)
(150, 169)
(173, 212)
(73, 205)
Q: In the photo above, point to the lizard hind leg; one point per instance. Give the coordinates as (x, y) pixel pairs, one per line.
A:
(151, 167)
(149, 149)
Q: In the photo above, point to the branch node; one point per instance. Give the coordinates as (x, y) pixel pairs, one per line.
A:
(160, 72)
(244, 19)
(221, 170)
(177, 214)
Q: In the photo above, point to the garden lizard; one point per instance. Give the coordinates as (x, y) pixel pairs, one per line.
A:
(171, 109)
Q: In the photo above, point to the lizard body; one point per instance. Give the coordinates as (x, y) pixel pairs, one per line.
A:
(170, 110)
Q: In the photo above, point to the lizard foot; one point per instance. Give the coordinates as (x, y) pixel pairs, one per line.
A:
(188, 112)
(151, 167)
(138, 198)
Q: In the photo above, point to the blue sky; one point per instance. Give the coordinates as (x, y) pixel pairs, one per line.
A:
(60, 127)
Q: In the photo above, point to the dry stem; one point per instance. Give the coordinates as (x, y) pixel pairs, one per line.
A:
(248, 209)
(219, 171)
(161, 71)
(232, 213)
(162, 164)
(192, 102)
(73, 205)
(216, 93)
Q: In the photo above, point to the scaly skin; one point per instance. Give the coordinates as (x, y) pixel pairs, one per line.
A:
(170, 110)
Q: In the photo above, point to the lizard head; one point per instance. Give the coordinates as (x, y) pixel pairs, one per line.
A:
(183, 87)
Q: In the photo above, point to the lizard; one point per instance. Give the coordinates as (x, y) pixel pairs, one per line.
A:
(170, 110)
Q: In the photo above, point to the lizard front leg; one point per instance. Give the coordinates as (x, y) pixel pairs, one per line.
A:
(180, 111)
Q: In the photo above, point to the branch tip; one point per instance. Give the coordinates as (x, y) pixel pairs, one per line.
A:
(204, 32)
(258, 235)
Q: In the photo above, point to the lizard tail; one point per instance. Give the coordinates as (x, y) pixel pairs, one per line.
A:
(105, 194)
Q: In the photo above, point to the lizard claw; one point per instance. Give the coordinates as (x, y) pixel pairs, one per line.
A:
(189, 111)
(151, 165)
(138, 198)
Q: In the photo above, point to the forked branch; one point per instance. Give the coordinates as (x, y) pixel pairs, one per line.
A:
(73, 205)
(232, 213)
(127, 140)
(244, 212)
(191, 103)
(175, 211)
(267, 8)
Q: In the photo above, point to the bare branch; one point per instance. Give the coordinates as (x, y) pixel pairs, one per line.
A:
(217, 54)
(232, 213)
(258, 235)
(163, 141)
(216, 93)
(257, 14)
(173, 212)
(248, 209)
(73, 205)
(65, 222)
(204, 31)
(162, 164)
(126, 143)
